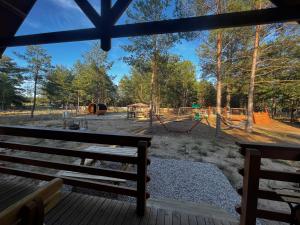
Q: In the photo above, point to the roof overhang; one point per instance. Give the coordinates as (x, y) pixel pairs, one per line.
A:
(13, 13)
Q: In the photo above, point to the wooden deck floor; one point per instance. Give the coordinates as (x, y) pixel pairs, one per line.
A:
(80, 209)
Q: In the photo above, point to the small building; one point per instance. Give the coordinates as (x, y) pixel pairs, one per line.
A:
(137, 110)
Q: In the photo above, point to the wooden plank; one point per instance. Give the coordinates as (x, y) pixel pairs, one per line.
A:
(107, 212)
(145, 218)
(132, 218)
(274, 215)
(68, 152)
(226, 20)
(11, 214)
(176, 218)
(184, 219)
(273, 151)
(70, 167)
(142, 178)
(100, 212)
(120, 219)
(80, 214)
(160, 217)
(192, 220)
(114, 213)
(118, 9)
(113, 150)
(76, 136)
(153, 216)
(200, 220)
(90, 177)
(96, 206)
(63, 207)
(277, 175)
(72, 181)
(89, 11)
(250, 187)
(15, 197)
(282, 196)
(72, 211)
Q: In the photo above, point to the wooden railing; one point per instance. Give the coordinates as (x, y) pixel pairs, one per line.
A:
(253, 173)
(32, 208)
(140, 142)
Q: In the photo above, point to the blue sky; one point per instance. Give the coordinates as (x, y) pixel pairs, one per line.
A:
(58, 15)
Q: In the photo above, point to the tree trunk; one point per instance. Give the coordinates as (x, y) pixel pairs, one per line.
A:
(219, 75)
(219, 82)
(152, 91)
(228, 97)
(34, 95)
(249, 124)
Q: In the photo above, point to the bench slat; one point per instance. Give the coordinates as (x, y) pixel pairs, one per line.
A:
(70, 167)
(72, 181)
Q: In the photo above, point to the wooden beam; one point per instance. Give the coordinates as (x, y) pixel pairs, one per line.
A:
(106, 25)
(250, 187)
(68, 152)
(73, 153)
(47, 194)
(13, 9)
(76, 136)
(89, 11)
(227, 20)
(277, 175)
(271, 215)
(142, 178)
(72, 181)
(273, 151)
(70, 167)
(118, 9)
(281, 3)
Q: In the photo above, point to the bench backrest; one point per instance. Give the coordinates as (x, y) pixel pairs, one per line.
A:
(140, 142)
(252, 173)
(31, 209)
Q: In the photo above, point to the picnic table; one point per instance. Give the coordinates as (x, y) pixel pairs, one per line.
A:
(113, 150)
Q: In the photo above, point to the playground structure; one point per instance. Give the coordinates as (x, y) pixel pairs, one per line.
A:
(98, 109)
(231, 116)
(195, 113)
(137, 110)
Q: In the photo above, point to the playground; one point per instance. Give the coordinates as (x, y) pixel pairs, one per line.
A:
(177, 137)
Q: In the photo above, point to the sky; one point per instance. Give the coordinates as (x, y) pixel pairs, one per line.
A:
(59, 15)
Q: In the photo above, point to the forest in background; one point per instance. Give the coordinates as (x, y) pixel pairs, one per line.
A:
(249, 67)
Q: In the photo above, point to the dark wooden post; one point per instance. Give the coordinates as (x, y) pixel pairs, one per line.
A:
(250, 186)
(142, 175)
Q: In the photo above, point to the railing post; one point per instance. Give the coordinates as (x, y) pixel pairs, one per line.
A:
(250, 187)
(142, 175)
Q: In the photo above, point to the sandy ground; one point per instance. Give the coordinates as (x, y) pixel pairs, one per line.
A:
(172, 142)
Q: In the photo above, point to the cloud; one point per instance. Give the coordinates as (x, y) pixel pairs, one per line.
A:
(32, 24)
(67, 4)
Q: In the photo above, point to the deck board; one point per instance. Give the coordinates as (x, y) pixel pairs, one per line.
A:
(80, 209)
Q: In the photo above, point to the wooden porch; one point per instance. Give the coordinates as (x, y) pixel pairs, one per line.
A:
(80, 209)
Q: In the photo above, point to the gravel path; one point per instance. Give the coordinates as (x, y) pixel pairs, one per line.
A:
(191, 181)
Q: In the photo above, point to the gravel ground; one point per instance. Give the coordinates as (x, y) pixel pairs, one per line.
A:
(191, 181)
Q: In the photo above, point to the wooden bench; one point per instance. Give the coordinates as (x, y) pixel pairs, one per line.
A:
(141, 143)
(251, 192)
(32, 209)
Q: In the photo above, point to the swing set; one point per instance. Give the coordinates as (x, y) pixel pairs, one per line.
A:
(198, 117)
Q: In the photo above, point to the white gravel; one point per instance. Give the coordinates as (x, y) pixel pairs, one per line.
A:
(191, 181)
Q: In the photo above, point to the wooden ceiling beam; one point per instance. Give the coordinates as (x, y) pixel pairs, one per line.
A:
(227, 20)
(13, 9)
(107, 24)
(281, 3)
(89, 11)
(118, 9)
